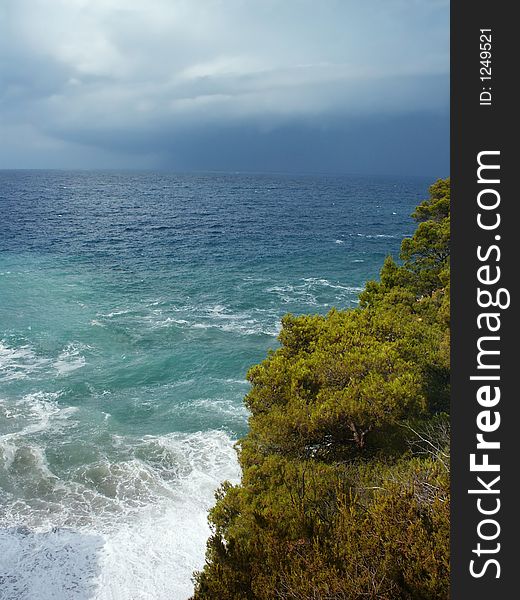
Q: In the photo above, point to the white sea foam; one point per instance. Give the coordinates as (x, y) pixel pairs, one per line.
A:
(130, 530)
(35, 412)
(337, 286)
(310, 290)
(22, 362)
(25, 419)
(57, 565)
(19, 362)
(231, 380)
(254, 322)
(221, 406)
(257, 321)
(70, 359)
(118, 313)
(379, 235)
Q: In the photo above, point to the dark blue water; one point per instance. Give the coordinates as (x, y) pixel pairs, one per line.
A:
(131, 307)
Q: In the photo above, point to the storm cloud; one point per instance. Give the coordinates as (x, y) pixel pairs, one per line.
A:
(338, 85)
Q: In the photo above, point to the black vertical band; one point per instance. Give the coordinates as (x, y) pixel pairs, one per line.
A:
(484, 127)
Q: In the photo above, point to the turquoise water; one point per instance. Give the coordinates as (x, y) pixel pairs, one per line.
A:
(131, 307)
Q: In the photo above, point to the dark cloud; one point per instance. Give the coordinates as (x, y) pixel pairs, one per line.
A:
(232, 85)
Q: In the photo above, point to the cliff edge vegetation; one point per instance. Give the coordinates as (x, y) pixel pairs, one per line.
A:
(345, 469)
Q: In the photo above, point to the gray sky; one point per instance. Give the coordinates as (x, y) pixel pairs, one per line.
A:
(278, 85)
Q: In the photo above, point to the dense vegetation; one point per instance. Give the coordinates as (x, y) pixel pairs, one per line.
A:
(345, 485)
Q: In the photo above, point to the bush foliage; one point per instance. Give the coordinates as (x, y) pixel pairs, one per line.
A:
(345, 469)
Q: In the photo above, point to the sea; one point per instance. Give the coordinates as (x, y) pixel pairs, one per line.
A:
(132, 305)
